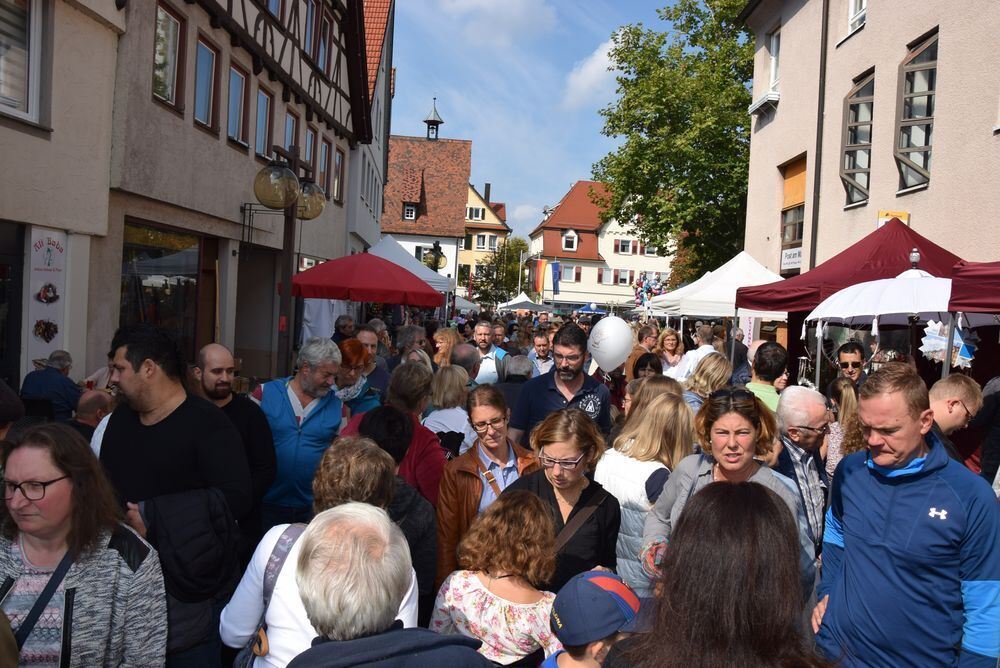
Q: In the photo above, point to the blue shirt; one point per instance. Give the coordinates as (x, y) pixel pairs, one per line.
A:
(51, 384)
(540, 396)
(502, 475)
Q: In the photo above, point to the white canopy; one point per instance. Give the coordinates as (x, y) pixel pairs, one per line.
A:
(668, 303)
(716, 296)
(522, 303)
(389, 249)
(463, 304)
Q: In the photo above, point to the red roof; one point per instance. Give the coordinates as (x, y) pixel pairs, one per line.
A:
(882, 254)
(975, 287)
(576, 210)
(500, 209)
(440, 192)
(376, 21)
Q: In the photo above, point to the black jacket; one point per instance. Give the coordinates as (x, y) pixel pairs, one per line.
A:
(396, 648)
(415, 516)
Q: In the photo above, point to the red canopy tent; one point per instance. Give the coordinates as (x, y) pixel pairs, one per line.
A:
(975, 287)
(882, 254)
(364, 277)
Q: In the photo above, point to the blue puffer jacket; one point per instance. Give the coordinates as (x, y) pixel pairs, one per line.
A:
(911, 562)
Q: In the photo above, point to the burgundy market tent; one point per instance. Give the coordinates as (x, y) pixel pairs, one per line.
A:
(364, 277)
(975, 287)
(882, 254)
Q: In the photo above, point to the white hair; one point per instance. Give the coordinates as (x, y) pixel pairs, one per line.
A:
(353, 571)
(793, 405)
(317, 350)
(519, 365)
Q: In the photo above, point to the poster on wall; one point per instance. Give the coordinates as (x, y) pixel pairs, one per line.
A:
(46, 292)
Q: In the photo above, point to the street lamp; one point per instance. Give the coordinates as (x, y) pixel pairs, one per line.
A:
(277, 186)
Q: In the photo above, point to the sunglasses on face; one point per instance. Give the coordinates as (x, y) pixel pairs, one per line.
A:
(850, 365)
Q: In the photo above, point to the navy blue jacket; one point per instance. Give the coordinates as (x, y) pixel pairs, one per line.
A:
(911, 562)
(396, 648)
(49, 383)
(540, 396)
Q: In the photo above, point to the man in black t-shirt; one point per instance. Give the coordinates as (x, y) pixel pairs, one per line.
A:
(215, 372)
(165, 448)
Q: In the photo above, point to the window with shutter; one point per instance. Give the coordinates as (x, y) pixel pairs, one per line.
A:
(579, 272)
(600, 275)
(617, 273)
(617, 241)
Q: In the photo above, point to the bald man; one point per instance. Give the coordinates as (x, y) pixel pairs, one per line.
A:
(215, 372)
(90, 410)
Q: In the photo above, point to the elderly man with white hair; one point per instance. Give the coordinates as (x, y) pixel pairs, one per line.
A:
(353, 570)
(804, 421)
(304, 415)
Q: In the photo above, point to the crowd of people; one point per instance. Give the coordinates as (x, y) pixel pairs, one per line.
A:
(484, 494)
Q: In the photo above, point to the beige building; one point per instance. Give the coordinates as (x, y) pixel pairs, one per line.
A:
(485, 230)
(910, 126)
(137, 149)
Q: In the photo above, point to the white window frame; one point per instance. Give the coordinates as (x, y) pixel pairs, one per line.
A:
(481, 242)
(857, 14)
(409, 212)
(33, 98)
(570, 240)
(572, 273)
(608, 276)
(624, 277)
(475, 213)
(774, 57)
(649, 250)
(622, 247)
(492, 242)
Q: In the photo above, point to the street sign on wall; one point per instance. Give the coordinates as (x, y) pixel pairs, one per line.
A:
(791, 258)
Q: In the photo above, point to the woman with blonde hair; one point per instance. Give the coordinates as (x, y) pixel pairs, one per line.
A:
(445, 339)
(637, 468)
(844, 396)
(418, 356)
(498, 596)
(712, 373)
(670, 348)
(448, 419)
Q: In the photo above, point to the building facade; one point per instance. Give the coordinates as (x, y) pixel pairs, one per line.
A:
(596, 263)
(485, 230)
(898, 116)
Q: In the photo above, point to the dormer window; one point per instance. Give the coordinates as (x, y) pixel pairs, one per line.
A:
(409, 212)
(569, 240)
(475, 213)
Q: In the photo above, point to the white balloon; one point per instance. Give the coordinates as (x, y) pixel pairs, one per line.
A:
(593, 306)
(610, 342)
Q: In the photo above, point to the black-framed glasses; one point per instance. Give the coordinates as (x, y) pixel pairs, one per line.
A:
(968, 414)
(567, 464)
(483, 427)
(818, 430)
(32, 490)
(850, 365)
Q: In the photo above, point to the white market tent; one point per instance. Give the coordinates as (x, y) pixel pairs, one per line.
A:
(389, 249)
(668, 303)
(522, 303)
(463, 304)
(716, 296)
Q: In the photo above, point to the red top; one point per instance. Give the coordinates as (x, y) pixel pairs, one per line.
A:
(423, 464)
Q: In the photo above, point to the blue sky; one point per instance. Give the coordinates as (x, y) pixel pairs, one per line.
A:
(523, 79)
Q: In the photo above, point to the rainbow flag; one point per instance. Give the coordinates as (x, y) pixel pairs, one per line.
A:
(540, 275)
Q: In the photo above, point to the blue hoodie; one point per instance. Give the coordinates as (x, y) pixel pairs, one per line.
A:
(911, 562)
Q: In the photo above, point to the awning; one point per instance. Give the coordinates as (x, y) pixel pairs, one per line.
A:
(716, 296)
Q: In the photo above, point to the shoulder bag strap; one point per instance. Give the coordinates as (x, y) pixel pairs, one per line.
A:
(574, 524)
(24, 630)
(486, 473)
(277, 559)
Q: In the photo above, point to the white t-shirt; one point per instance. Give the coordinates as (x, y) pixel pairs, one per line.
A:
(452, 419)
(289, 632)
(685, 368)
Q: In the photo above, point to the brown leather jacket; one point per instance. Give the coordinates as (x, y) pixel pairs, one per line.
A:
(458, 503)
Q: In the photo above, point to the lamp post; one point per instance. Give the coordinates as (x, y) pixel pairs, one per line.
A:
(277, 186)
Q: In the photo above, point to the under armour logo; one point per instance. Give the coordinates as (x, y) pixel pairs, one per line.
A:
(940, 514)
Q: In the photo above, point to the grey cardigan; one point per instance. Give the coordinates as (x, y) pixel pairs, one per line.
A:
(695, 472)
(116, 608)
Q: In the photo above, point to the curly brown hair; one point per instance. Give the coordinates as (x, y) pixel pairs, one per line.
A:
(501, 541)
(354, 468)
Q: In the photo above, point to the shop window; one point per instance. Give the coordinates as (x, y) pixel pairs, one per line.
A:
(855, 170)
(915, 114)
(168, 57)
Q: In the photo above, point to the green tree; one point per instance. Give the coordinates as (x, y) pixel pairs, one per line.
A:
(495, 280)
(680, 170)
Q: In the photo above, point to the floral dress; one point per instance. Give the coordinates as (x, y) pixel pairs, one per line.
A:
(509, 631)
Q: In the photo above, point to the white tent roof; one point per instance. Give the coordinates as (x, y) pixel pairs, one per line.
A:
(389, 249)
(463, 304)
(668, 303)
(522, 303)
(716, 297)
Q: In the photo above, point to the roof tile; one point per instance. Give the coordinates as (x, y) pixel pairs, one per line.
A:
(576, 210)
(376, 22)
(444, 166)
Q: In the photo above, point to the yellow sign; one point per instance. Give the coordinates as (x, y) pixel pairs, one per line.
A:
(885, 215)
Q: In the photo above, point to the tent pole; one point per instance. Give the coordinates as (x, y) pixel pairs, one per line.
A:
(946, 360)
(819, 350)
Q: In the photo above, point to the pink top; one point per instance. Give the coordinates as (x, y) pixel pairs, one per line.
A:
(509, 631)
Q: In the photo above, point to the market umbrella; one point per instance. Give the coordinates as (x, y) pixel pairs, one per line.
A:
(364, 277)
(975, 287)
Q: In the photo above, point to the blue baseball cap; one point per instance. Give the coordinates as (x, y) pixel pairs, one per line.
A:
(593, 606)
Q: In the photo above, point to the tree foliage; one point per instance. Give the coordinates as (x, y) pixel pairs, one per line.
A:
(495, 280)
(680, 171)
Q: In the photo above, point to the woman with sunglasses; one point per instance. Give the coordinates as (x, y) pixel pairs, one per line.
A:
(474, 480)
(734, 428)
(569, 445)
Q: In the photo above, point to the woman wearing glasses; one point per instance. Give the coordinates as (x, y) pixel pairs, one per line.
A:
(474, 480)
(734, 428)
(569, 444)
(352, 383)
(79, 586)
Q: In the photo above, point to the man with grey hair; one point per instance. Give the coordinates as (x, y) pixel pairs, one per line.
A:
(804, 420)
(703, 348)
(304, 415)
(408, 339)
(52, 384)
(467, 356)
(343, 328)
(353, 570)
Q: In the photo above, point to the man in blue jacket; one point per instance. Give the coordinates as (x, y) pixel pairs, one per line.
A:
(911, 549)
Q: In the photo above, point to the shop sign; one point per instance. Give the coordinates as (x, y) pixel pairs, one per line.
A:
(791, 258)
(47, 292)
(885, 215)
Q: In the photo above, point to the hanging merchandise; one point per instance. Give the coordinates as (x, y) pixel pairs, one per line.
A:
(963, 345)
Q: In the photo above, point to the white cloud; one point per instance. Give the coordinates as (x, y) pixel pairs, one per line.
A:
(590, 83)
(501, 23)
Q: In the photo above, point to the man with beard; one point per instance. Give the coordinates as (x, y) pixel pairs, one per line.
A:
(491, 369)
(565, 386)
(304, 415)
(215, 372)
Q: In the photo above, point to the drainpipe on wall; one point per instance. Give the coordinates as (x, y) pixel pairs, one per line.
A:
(818, 152)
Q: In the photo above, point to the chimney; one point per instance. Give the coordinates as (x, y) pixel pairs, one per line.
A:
(486, 193)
